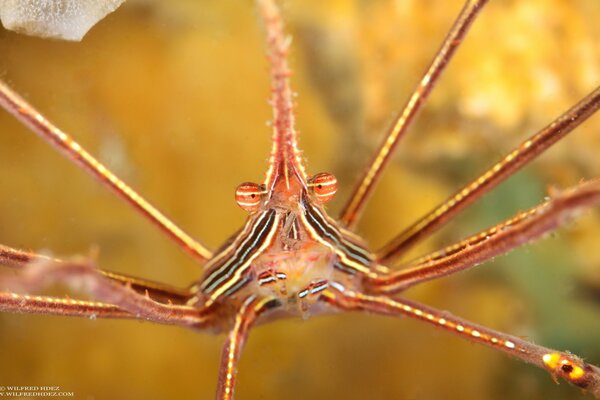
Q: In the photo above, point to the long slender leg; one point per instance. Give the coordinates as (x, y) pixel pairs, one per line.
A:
(157, 291)
(503, 169)
(24, 112)
(27, 304)
(232, 350)
(47, 305)
(514, 232)
(82, 276)
(559, 364)
(352, 209)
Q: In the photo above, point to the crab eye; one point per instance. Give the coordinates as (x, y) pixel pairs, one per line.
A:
(324, 185)
(248, 195)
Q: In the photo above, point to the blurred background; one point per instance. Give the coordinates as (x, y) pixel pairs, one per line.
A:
(173, 97)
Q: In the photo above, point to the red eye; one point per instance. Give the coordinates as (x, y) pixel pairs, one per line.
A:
(248, 195)
(324, 186)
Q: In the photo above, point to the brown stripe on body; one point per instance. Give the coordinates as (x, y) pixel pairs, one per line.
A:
(229, 274)
(353, 257)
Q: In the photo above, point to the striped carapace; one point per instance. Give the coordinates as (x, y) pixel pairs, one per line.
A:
(291, 258)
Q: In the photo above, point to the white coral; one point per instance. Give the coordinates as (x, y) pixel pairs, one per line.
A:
(59, 19)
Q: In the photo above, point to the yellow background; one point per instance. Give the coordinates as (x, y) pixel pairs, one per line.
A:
(172, 96)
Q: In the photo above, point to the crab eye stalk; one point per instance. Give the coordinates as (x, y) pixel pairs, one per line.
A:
(248, 196)
(324, 186)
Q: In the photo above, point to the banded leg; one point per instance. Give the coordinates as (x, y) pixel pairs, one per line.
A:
(157, 291)
(559, 364)
(81, 276)
(232, 350)
(26, 114)
(515, 160)
(524, 227)
(352, 209)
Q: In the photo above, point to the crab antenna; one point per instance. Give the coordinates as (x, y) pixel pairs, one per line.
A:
(285, 157)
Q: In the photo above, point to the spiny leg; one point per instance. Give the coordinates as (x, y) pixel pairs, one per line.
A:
(81, 276)
(352, 209)
(515, 160)
(522, 228)
(15, 258)
(559, 364)
(31, 118)
(232, 350)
